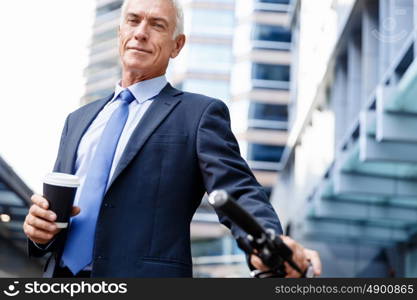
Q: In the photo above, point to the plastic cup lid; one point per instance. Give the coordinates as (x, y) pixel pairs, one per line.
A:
(62, 179)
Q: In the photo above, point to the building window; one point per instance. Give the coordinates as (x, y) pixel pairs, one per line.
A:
(271, 72)
(266, 153)
(271, 112)
(271, 33)
(203, 24)
(213, 58)
(214, 88)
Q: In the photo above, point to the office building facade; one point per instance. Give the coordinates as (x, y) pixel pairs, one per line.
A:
(349, 182)
(260, 84)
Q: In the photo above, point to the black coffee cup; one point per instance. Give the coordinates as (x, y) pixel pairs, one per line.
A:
(59, 189)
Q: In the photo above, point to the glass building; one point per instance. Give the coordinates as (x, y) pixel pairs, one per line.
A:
(260, 84)
(348, 184)
(103, 70)
(204, 64)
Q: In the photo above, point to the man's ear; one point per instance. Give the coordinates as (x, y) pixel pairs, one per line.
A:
(179, 44)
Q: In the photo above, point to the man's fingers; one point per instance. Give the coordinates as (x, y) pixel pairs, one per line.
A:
(288, 241)
(299, 257)
(314, 258)
(41, 224)
(40, 201)
(75, 211)
(256, 261)
(42, 213)
(291, 273)
(37, 235)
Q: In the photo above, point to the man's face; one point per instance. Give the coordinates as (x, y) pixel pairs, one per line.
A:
(146, 37)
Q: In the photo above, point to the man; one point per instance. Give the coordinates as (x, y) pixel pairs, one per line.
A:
(145, 156)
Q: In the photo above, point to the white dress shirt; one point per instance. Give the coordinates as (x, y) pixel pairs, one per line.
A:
(144, 93)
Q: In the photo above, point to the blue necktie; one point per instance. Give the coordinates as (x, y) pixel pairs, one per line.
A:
(78, 249)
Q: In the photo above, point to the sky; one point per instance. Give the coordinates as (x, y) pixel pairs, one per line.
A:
(44, 49)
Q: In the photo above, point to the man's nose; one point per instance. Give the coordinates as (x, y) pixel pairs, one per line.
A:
(141, 31)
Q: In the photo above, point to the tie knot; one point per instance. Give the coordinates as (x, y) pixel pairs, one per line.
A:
(127, 96)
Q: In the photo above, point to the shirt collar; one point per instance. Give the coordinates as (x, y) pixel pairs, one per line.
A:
(143, 90)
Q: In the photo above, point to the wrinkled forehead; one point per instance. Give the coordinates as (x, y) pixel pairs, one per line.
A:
(152, 9)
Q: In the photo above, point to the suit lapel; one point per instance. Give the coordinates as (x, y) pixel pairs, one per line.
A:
(81, 124)
(160, 108)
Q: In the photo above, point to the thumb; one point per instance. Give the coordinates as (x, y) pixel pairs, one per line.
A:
(75, 211)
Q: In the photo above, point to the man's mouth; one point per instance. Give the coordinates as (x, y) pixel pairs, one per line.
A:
(139, 49)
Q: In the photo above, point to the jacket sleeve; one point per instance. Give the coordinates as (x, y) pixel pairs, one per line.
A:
(35, 250)
(222, 167)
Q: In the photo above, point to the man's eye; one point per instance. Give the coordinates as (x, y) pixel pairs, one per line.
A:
(159, 26)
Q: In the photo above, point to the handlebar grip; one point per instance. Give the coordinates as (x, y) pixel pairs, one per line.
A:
(221, 200)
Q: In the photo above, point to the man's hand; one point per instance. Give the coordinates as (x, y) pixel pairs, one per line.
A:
(301, 257)
(39, 225)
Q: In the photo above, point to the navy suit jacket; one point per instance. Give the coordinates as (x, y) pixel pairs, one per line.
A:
(182, 148)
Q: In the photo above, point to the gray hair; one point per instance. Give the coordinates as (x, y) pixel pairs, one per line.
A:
(179, 24)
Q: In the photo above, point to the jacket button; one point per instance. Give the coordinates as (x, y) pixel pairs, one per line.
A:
(106, 205)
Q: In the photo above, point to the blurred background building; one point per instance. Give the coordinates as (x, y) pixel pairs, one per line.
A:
(260, 84)
(349, 181)
(14, 204)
